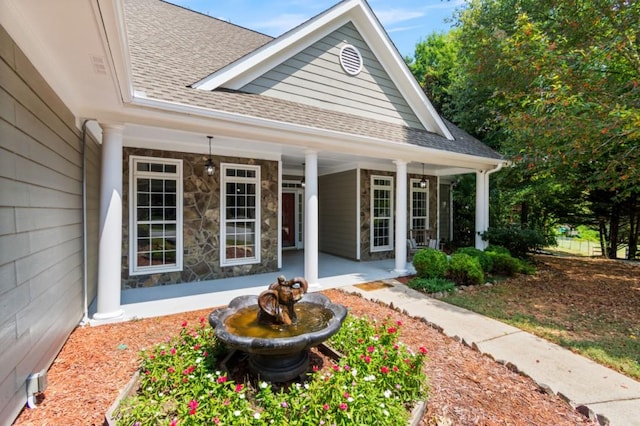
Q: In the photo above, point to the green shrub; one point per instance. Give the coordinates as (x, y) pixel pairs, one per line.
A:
(430, 263)
(465, 270)
(505, 265)
(431, 285)
(486, 262)
(517, 240)
(492, 248)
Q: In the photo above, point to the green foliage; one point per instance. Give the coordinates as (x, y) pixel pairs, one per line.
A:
(494, 248)
(504, 264)
(435, 65)
(465, 270)
(431, 285)
(430, 263)
(180, 383)
(486, 262)
(518, 241)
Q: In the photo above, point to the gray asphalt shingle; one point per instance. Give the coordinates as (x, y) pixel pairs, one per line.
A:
(172, 47)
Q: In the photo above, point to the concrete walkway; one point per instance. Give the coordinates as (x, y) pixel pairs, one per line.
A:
(593, 389)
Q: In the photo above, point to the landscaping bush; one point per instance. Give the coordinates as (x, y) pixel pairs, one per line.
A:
(492, 248)
(486, 262)
(430, 263)
(504, 264)
(518, 241)
(465, 270)
(431, 285)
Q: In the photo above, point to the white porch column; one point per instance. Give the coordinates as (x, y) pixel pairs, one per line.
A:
(482, 208)
(401, 216)
(311, 217)
(110, 245)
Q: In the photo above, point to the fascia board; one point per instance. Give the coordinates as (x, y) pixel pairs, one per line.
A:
(253, 65)
(110, 16)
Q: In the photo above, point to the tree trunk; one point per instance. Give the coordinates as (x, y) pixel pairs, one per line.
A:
(614, 225)
(603, 234)
(634, 224)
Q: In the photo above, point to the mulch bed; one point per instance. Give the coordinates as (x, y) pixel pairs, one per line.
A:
(466, 387)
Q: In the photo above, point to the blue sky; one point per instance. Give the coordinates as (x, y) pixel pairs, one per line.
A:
(406, 21)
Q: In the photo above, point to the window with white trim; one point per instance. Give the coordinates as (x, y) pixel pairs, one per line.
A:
(240, 214)
(155, 212)
(419, 205)
(381, 213)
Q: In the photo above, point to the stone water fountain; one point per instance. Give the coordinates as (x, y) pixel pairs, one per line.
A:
(277, 328)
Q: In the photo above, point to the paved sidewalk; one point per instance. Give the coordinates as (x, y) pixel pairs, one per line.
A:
(592, 388)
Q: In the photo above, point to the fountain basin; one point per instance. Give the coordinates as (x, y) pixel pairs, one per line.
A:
(274, 358)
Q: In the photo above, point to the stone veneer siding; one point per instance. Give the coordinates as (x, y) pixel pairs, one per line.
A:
(201, 221)
(365, 211)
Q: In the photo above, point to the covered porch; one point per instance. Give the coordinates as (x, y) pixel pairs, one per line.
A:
(333, 271)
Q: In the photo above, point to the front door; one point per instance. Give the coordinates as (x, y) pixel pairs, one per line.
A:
(288, 219)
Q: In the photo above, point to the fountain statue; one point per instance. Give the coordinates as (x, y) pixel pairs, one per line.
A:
(277, 328)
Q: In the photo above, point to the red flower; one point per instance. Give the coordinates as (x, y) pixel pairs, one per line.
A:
(193, 406)
(391, 330)
(315, 368)
(423, 349)
(171, 370)
(184, 324)
(335, 367)
(216, 420)
(346, 395)
(395, 369)
(325, 407)
(174, 422)
(173, 351)
(343, 406)
(196, 347)
(384, 370)
(398, 323)
(370, 349)
(239, 387)
(367, 359)
(222, 379)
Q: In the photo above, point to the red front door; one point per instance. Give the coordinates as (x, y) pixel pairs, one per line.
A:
(288, 219)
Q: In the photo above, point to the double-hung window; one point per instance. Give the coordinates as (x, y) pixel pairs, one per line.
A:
(419, 205)
(381, 213)
(240, 214)
(155, 212)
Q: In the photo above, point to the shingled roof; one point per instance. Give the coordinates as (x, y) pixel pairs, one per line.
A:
(172, 47)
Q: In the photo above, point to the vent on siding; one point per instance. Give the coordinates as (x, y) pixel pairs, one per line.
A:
(351, 60)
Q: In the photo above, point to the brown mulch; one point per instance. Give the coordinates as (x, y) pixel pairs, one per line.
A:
(466, 387)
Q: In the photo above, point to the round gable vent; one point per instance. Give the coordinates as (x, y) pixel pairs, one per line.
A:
(350, 60)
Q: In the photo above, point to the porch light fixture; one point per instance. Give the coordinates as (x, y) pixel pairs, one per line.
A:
(208, 165)
(423, 181)
(302, 182)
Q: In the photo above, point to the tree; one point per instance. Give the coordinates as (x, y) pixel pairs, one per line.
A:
(554, 85)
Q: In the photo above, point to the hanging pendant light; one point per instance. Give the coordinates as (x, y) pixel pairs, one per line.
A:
(208, 165)
(423, 181)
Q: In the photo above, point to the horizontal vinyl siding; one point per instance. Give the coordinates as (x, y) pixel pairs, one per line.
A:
(337, 214)
(41, 273)
(315, 77)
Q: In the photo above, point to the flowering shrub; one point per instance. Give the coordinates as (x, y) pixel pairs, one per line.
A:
(377, 381)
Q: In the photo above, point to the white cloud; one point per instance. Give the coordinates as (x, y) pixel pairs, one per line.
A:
(393, 16)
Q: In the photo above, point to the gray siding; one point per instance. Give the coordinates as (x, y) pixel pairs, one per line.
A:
(41, 290)
(337, 199)
(315, 77)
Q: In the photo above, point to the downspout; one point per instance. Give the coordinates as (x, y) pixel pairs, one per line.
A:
(486, 176)
(85, 296)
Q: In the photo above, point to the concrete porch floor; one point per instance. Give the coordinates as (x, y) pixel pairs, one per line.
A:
(334, 272)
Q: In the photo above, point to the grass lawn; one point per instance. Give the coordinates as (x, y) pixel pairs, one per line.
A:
(590, 306)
